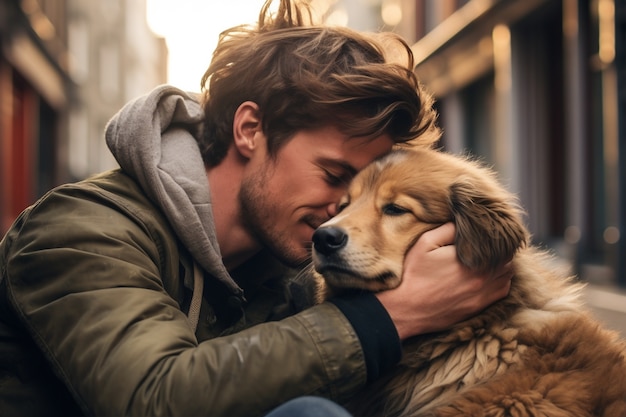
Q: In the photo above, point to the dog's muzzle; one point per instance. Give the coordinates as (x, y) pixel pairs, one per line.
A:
(328, 240)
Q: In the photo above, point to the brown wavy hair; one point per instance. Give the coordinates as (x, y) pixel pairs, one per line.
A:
(306, 76)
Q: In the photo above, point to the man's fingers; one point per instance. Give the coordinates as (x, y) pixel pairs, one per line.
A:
(501, 281)
(438, 237)
(504, 273)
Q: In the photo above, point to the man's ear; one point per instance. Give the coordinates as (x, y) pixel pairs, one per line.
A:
(246, 128)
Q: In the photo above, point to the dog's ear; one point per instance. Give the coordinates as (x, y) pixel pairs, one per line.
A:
(489, 225)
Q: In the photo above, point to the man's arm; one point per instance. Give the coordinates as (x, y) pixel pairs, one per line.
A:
(85, 281)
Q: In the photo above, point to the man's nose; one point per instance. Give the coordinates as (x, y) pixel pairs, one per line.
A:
(332, 209)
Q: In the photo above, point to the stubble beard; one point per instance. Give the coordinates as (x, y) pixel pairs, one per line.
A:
(257, 207)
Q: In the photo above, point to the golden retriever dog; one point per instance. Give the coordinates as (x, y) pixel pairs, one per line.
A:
(537, 352)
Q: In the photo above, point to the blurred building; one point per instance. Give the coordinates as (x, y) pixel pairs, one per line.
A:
(66, 66)
(537, 88)
(114, 58)
(34, 96)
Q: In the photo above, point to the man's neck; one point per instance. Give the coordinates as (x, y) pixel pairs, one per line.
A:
(236, 243)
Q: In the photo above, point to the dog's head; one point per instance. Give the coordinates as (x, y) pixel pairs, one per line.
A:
(393, 201)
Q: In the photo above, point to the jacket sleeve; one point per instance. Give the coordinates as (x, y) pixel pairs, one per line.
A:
(84, 277)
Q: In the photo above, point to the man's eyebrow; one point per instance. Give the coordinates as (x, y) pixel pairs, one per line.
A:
(336, 163)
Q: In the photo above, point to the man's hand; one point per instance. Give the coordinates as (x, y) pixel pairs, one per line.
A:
(436, 290)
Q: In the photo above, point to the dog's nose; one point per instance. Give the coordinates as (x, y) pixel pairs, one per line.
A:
(329, 239)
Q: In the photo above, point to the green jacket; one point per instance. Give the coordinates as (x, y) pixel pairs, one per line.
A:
(93, 295)
(101, 306)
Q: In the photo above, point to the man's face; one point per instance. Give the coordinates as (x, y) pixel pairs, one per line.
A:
(283, 200)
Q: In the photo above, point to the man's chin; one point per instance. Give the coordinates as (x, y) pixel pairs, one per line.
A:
(293, 258)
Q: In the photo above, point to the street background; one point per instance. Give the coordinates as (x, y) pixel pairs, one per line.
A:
(535, 88)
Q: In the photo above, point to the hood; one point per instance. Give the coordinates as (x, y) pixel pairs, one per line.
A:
(152, 139)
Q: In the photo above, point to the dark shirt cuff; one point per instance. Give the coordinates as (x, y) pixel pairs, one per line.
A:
(376, 332)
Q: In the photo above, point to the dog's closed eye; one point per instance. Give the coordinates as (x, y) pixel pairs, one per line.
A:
(392, 209)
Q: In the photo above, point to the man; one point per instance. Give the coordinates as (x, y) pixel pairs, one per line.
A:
(153, 290)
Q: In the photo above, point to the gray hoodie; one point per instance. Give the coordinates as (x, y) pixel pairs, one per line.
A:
(152, 139)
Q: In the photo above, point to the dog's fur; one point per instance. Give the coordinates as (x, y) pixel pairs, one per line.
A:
(537, 352)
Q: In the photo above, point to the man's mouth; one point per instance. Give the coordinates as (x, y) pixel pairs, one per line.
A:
(314, 221)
